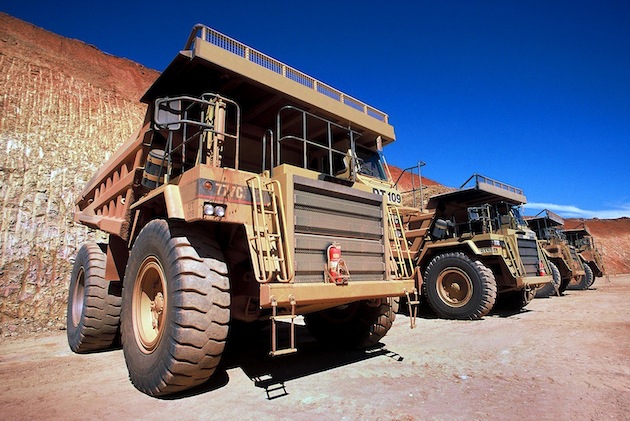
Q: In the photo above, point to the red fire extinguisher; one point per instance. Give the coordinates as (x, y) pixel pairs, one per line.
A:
(541, 269)
(336, 270)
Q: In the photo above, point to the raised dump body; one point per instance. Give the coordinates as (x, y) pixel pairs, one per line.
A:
(476, 247)
(252, 192)
(565, 259)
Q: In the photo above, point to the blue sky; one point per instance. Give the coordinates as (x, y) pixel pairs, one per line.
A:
(533, 93)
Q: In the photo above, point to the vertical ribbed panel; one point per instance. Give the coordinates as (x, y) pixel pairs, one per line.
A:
(327, 212)
(528, 251)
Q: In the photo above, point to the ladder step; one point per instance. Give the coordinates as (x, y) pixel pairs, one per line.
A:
(420, 232)
(267, 234)
(283, 352)
(284, 317)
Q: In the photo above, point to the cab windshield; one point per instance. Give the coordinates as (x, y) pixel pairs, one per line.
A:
(518, 216)
(370, 163)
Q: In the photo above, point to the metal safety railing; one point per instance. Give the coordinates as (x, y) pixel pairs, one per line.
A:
(229, 44)
(301, 136)
(492, 182)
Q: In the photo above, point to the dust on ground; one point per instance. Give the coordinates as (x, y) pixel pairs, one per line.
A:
(562, 358)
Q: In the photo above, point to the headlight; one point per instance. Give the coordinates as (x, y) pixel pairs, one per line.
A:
(213, 210)
(219, 211)
(208, 209)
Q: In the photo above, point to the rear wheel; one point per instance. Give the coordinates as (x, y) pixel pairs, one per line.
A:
(514, 301)
(553, 287)
(588, 278)
(356, 325)
(176, 309)
(93, 313)
(458, 288)
(592, 275)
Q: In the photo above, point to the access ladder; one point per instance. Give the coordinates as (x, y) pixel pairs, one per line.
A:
(269, 253)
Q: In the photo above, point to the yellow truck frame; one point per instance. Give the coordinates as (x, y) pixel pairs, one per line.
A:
(224, 206)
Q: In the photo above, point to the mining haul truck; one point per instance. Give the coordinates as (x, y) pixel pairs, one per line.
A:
(238, 200)
(564, 258)
(584, 244)
(476, 249)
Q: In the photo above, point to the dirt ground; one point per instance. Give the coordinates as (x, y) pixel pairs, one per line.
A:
(563, 358)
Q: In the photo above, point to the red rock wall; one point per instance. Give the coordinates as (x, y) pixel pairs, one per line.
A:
(64, 107)
(613, 239)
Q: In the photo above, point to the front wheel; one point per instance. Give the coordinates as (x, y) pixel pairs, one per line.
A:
(458, 288)
(176, 309)
(356, 325)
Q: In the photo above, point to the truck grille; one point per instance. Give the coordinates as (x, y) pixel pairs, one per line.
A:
(528, 250)
(327, 212)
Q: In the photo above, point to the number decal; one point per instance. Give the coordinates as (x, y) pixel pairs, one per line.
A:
(392, 196)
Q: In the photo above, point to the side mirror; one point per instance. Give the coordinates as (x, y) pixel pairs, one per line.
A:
(379, 144)
(168, 113)
(474, 214)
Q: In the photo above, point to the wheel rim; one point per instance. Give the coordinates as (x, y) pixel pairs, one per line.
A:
(78, 298)
(454, 287)
(148, 303)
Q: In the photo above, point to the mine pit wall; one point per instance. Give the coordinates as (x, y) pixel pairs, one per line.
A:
(65, 107)
(55, 131)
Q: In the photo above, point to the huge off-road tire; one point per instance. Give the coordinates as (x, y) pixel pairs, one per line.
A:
(587, 279)
(356, 325)
(552, 288)
(93, 313)
(176, 309)
(515, 301)
(590, 274)
(458, 288)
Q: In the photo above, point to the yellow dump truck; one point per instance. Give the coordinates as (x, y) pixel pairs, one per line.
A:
(581, 238)
(475, 250)
(242, 197)
(563, 256)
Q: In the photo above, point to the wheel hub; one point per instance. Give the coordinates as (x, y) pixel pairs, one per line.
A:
(149, 302)
(78, 298)
(157, 306)
(454, 287)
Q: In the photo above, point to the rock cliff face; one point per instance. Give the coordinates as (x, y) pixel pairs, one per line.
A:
(612, 237)
(65, 107)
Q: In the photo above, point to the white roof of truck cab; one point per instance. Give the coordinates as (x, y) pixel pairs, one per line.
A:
(261, 85)
(478, 190)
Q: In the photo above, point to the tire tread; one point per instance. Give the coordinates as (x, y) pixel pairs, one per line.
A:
(488, 287)
(200, 297)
